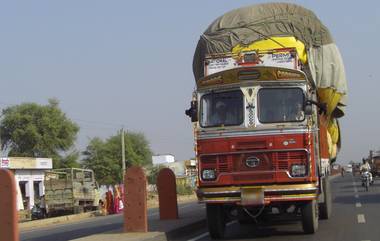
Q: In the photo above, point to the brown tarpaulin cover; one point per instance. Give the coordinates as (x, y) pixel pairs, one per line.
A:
(254, 23)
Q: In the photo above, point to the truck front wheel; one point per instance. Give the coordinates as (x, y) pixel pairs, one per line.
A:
(310, 217)
(216, 220)
(326, 206)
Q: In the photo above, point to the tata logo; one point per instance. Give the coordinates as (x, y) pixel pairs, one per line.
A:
(252, 162)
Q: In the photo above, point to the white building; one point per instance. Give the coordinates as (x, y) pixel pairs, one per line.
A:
(162, 159)
(29, 174)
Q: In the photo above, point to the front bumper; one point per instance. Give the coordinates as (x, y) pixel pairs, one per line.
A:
(258, 195)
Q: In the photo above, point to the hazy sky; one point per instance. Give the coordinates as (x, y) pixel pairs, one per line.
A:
(114, 63)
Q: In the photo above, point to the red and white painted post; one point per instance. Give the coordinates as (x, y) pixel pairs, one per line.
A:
(8, 208)
(167, 194)
(135, 210)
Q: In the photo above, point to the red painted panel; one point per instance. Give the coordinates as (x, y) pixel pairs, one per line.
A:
(135, 210)
(167, 194)
(277, 153)
(8, 210)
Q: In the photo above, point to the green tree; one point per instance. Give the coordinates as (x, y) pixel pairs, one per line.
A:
(153, 173)
(35, 130)
(68, 160)
(104, 156)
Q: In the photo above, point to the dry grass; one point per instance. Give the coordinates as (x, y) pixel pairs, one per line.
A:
(153, 199)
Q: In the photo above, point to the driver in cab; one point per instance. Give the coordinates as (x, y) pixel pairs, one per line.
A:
(221, 115)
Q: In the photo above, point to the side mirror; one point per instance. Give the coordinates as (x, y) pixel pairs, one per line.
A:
(192, 111)
(322, 107)
(308, 108)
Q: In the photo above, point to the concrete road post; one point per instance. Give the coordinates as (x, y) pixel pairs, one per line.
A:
(8, 208)
(135, 210)
(167, 194)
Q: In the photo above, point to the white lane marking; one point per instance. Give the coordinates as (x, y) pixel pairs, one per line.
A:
(354, 185)
(206, 234)
(361, 218)
(358, 205)
(198, 237)
(231, 223)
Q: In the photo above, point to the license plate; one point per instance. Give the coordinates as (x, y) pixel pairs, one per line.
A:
(252, 196)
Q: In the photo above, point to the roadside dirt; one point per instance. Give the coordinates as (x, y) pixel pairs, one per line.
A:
(153, 200)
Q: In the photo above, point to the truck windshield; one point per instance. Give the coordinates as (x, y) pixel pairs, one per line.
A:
(222, 109)
(280, 105)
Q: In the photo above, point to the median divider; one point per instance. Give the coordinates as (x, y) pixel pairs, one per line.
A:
(135, 210)
(190, 221)
(163, 225)
(167, 194)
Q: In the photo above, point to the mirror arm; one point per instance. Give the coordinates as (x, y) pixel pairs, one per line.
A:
(192, 111)
(321, 106)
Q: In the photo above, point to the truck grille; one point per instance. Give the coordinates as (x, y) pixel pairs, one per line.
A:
(254, 177)
(282, 165)
(223, 164)
(269, 162)
(291, 155)
(209, 160)
(246, 146)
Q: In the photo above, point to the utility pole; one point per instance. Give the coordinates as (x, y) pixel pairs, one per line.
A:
(123, 153)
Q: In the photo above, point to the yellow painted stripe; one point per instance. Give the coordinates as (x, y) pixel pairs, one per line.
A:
(269, 187)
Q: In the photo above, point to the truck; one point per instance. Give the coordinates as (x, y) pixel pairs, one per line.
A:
(270, 87)
(70, 190)
(375, 163)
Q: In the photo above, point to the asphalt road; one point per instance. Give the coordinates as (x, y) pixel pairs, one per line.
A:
(90, 226)
(356, 217)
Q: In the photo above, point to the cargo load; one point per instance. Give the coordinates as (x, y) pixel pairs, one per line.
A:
(271, 26)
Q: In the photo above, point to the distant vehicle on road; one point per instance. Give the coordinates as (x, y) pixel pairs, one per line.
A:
(366, 180)
(355, 169)
(348, 168)
(70, 190)
(375, 166)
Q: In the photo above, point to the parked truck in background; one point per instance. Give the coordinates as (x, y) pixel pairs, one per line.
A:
(375, 163)
(270, 85)
(70, 190)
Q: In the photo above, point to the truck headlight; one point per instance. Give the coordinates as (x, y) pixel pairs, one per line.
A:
(208, 174)
(298, 170)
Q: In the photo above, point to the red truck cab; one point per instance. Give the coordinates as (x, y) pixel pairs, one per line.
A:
(261, 148)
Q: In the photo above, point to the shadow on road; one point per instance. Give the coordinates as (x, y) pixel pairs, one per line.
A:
(266, 230)
(73, 234)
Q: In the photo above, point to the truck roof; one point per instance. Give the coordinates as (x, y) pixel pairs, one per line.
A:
(241, 75)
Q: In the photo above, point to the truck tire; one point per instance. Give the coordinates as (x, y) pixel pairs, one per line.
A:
(216, 220)
(310, 217)
(325, 208)
(243, 218)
